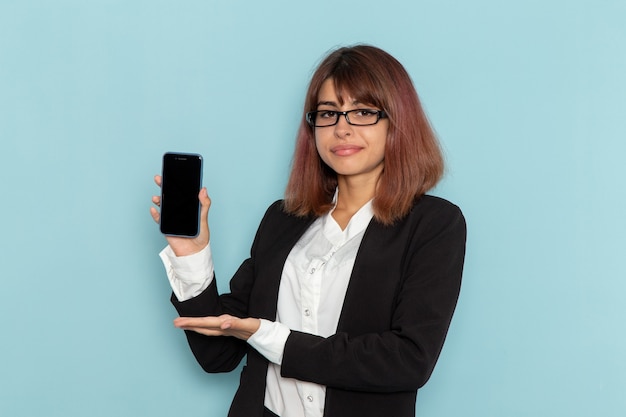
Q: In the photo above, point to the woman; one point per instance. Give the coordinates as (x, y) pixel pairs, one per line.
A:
(344, 304)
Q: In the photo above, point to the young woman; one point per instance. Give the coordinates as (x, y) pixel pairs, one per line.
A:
(344, 304)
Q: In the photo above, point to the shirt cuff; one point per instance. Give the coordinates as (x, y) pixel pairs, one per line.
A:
(270, 340)
(188, 275)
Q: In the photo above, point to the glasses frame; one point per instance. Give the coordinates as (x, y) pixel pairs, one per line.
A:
(312, 116)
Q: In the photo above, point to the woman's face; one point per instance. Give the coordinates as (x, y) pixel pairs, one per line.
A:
(351, 151)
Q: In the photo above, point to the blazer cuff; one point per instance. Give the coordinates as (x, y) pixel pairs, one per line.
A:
(204, 304)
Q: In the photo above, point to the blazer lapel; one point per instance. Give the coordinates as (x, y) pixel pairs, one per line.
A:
(371, 293)
(287, 231)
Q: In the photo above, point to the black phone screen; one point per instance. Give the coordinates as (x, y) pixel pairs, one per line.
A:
(181, 182)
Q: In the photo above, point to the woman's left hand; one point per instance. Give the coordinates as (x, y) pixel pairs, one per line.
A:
(224, 325)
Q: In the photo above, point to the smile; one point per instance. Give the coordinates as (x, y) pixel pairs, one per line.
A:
(345, 150)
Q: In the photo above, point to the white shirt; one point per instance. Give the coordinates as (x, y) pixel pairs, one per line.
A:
(310, 298)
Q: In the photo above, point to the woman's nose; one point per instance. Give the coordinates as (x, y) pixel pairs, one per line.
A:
(343, 128)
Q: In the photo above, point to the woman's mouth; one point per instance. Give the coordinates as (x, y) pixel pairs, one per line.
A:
(345, 150)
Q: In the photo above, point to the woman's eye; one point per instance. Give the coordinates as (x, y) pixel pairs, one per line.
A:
(326, 114)
(365, 113)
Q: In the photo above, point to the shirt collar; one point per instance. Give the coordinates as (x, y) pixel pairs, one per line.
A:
(358, 223)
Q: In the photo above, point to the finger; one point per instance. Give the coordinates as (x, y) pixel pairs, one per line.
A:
(209, 322)
(155, 214)
(156, 200)
(205, 200)
(234, 324)
(240, 328)
(205, 205)
(206, 332)
(157, 180)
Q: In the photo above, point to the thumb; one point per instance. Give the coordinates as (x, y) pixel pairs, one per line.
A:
(205, 204)
(205, 201)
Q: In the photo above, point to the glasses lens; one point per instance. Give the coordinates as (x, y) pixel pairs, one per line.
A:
(325, 118)
(363, 117)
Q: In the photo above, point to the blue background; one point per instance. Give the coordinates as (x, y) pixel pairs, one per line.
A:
(528, 98)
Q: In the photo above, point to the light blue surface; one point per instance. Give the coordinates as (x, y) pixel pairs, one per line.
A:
(528, 98)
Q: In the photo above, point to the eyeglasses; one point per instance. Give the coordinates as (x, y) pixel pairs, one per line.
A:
(356, 117)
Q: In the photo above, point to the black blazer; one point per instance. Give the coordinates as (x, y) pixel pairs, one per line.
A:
(396, 312)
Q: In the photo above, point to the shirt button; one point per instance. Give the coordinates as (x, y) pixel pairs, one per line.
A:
(312, 271)
(307, 312)
(309, 398)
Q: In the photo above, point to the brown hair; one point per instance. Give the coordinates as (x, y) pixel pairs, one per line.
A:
(413, 159)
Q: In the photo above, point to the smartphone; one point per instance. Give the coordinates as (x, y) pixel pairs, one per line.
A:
(180, 185)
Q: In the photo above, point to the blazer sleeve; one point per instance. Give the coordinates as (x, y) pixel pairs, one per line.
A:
(401, 357)
(221, 353)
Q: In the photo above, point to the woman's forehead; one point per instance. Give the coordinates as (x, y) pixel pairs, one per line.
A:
(335, 90)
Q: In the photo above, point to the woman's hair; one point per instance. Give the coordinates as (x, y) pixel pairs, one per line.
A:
(413, 162)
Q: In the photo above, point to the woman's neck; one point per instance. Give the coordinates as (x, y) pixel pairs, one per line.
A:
(352, 194)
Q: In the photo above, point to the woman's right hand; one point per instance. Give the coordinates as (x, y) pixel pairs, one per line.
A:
(183, 246)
